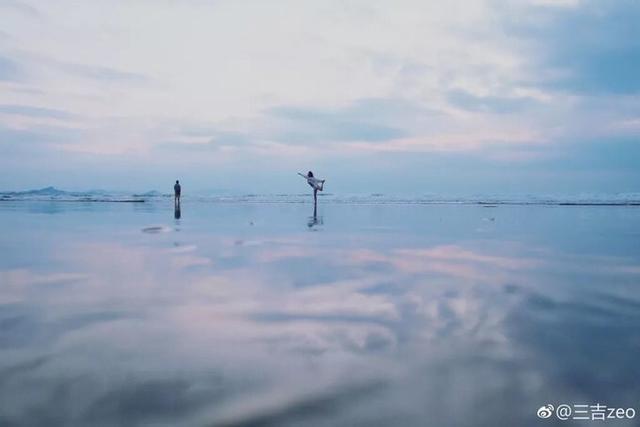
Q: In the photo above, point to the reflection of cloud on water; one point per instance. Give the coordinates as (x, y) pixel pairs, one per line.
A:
(230, 333)
(178, 248)
(453, 261)
(20, 284)
(22, 277)
(370, 310)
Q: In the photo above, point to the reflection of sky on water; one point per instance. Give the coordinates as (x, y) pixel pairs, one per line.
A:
(389, 315)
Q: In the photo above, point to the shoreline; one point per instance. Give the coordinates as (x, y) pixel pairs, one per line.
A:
(346, 202)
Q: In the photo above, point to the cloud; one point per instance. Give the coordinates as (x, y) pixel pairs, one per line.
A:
(35, 143)
(35, 69)
(368, 120)
(21, 7)
(9, 70)
(220, 141)
(31, 111)
(492, 104)
(360, 86)
(101, 73)
(43, 64)
(593, 48)
(620, 154)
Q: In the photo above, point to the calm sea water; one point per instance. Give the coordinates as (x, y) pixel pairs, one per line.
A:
(366, 315)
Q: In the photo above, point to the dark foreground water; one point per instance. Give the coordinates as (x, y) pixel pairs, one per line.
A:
(367, 315)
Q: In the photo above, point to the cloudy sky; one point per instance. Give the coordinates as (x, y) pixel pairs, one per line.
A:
(377, 96)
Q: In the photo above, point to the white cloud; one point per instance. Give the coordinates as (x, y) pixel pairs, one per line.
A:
(213, 61)
(131, 75)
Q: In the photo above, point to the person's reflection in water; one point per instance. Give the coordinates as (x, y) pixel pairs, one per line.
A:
(314, 220)
(176, 200)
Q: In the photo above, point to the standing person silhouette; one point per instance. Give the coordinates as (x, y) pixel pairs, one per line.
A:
(315, 183)
(176, 192)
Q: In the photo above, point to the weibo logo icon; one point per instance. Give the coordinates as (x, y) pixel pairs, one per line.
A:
(545, 411)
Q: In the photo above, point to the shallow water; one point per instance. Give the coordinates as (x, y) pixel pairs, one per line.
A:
(261, 314)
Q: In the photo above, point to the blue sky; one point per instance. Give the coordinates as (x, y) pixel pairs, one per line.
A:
(494, 96)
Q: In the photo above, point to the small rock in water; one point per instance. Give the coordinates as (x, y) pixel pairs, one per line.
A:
(155, 229)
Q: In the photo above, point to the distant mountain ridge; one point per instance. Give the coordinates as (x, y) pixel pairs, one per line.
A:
(55, 194)
(47, 191)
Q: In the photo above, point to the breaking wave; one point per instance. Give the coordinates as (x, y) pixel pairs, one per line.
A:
(595, 199)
